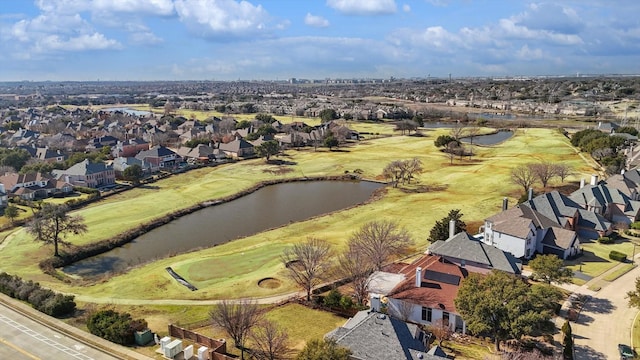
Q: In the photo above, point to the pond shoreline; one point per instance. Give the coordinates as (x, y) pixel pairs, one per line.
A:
(83, 252)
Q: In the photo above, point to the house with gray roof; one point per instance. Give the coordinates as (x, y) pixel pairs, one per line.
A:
(608, 201)
(87, 174)
(237, 148)
(628, 181)
(159, 157)
(475, 255)
(375, 336)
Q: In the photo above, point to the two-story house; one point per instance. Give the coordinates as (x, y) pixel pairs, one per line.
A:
(87, 174)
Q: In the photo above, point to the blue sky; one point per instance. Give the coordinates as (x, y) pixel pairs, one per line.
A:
(314, 39)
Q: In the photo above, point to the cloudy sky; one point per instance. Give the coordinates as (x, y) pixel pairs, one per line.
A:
(316, 39)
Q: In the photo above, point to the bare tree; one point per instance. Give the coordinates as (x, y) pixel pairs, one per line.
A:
(237, 319)
(451, 150)
(270, 341)
(411, 167)
(52, 222)
(308, 263)
(394, 171)
(380, 241)
(472, 131)
(441, 330)
(402, 310)
(543, 171)
(355, 265)
(563, 171)
(523, 176)
(457, 131)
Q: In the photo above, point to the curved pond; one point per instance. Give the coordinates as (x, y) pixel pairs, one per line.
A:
(489, 139)
(269, 207)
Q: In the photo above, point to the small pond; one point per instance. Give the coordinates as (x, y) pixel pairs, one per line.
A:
(129, 111)
(490, 139)
(269, 207)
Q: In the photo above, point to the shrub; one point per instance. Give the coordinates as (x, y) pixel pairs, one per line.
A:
(333, 298)
(346, 302)
(635, 225)
(43, 300)
(115, 327)
(605, 240)
(618, 256)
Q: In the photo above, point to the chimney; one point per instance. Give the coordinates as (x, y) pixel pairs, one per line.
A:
(452, 228)
(622, 172)
(505, 204)
(418, 276)
(581, 183)
(375, 303)
(530, 194)
(594, 180)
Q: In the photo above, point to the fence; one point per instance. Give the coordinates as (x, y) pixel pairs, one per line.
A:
(217, 348)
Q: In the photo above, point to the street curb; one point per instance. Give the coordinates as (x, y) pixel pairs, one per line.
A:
(88, 339)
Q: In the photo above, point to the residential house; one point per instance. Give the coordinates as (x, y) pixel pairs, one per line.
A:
(628, 182)
(102, 141)
(422, 292)
(201, 154)
(120, 164)
(50, 156)
(374, 336)
(524, 232)
(87, 174)
(474, 255)
(613, 204)
(237, 148)
(159, 157)
(129, 147)
(33, 185)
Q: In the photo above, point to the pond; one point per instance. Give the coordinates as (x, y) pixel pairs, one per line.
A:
(129, 111)
(489, 139)
(269, 207)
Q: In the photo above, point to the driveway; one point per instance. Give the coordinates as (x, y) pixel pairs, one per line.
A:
(606, 320)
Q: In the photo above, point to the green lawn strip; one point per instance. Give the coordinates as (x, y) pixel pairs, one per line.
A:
(471, 348)
(635, 334)
(304, 324)
(624, 268)
(488, 171)
(595, 259)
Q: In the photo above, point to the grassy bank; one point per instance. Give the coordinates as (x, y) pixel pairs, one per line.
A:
(476, 185)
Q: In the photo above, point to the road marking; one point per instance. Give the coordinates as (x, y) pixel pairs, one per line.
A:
(20, 350)
(44, 339)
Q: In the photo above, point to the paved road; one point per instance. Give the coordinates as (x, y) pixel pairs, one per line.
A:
(606, 320)
(24, 339)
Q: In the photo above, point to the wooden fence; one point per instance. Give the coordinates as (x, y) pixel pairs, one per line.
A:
(217, 347)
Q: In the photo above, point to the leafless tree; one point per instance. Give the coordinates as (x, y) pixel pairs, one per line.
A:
(411, 167)
(394, 171)
(380, 241)
(402, 310)
(526, 355)
(472, 131)
(451, 151)
(340, 133)
(523, 176)
(543, 171)
(457, 131)
(270, 341)
(227, 125)
(354, 265)
(563, 171)
(237, 319)
(441, 330)
(308, 263)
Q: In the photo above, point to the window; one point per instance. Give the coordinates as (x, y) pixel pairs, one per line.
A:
(445, 318)
(426, 314)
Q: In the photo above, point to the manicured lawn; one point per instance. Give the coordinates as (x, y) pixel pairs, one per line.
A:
(624, 268)
(475, 185)
(595, 259)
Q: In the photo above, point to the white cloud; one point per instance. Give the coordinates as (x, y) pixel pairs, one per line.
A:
(55, 43)
(363, 7)
(144, 38)
(211, 18)
(406, 8)
(527, 54)
(315, 21)
(152, 7)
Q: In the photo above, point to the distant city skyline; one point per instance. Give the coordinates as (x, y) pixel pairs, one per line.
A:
(118, 40)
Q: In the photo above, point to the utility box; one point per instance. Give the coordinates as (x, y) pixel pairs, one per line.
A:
(203, 353)
(172, 349)
(188, 352)
(164, 342)
(143, 337)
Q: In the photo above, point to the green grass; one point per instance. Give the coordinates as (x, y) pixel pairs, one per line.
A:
(488, 172)
(595, 259)
(304, 324)
(624, 268)
(635, 334)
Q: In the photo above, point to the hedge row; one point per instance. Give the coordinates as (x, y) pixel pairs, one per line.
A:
(115, 327)
(43, 300)
(618, 256)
